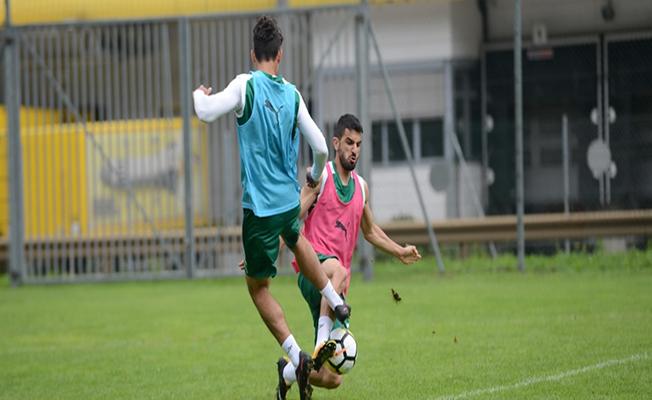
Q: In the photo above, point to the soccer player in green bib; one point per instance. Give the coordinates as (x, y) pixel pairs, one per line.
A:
(270, 112)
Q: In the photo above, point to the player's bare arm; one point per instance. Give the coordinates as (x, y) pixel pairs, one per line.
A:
(407, 254)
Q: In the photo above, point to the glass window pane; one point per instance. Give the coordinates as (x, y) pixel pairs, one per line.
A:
(432, 137)
(396, 152)
(377, 142)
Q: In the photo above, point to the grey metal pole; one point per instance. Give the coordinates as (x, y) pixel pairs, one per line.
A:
(483, 127)
(408, 153)
(14, 147)
(518, 116)
(452, 198)
(606, 116)
(365, 251)
(601, 113)
(185, 98)
(565, 156)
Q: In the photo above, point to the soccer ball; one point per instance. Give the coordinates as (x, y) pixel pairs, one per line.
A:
(345, 353)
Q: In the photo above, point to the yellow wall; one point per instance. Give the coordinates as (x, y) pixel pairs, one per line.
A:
(146, 143)
(40, 11)
(31, 120)
(47, 11)
(55, 195)
(64, 175)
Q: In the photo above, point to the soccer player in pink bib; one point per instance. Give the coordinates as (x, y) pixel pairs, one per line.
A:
(334, 212)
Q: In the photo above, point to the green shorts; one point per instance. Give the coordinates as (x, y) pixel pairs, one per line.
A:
(260, 239)
(311, 294)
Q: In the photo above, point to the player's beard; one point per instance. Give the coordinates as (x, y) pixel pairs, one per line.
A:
(346, 164)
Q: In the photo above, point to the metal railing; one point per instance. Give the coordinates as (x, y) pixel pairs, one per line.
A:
(125, 257)
(552, 226)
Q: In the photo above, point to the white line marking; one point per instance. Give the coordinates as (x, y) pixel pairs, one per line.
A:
(549, 378)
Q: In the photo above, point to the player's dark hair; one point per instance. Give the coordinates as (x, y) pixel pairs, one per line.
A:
(267, 38)
(347, 121)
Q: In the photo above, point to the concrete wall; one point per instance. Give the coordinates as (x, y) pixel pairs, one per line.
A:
(413, 32)
(428, 30)
(416, 94)
(394, 197)
(564, 17)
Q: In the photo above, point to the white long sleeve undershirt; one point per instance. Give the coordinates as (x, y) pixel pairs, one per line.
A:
(232, 98)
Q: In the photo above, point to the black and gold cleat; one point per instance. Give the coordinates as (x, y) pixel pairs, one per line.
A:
(322, 355)
(282, 388)
(303, 373)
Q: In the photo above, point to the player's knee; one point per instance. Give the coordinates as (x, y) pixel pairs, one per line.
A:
(339, 272)
(340, 278)
(333, 382)
(256, 286)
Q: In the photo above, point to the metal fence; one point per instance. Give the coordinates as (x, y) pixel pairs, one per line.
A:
(113, 178)
(108, 192)
(599, 84)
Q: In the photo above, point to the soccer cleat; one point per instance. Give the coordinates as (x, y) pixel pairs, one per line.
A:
(322, 354)
(342, 313)
(282, 388)
(303, 373)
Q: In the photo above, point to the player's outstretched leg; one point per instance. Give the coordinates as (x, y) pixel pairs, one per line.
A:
(310, 267)
(303, 373)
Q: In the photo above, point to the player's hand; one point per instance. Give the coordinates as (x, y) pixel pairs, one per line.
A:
(205, 90)
(311, 183)
(409, 254)
(241, 265)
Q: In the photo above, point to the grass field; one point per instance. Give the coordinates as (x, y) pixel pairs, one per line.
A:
(576, 327)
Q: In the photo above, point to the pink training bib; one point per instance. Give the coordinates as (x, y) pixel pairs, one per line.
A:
(332, 226)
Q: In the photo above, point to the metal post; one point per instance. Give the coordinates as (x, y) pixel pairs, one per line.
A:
(606, 115)
(365, 251)
(452, 206)
(518, 116)
(408, 153)
(14, 148)
(601, 112)
(565, 150)
(184, 68)
(483, 127)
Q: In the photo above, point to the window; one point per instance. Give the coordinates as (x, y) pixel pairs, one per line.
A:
(425, 138)
(432, 137)
(394, 145)
(377, 142)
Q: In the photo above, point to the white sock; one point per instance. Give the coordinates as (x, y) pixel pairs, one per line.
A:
(291, 347)
(331, 295)
(289, 374)
(324, 326)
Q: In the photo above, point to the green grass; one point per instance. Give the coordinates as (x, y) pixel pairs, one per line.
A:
(482, 325)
